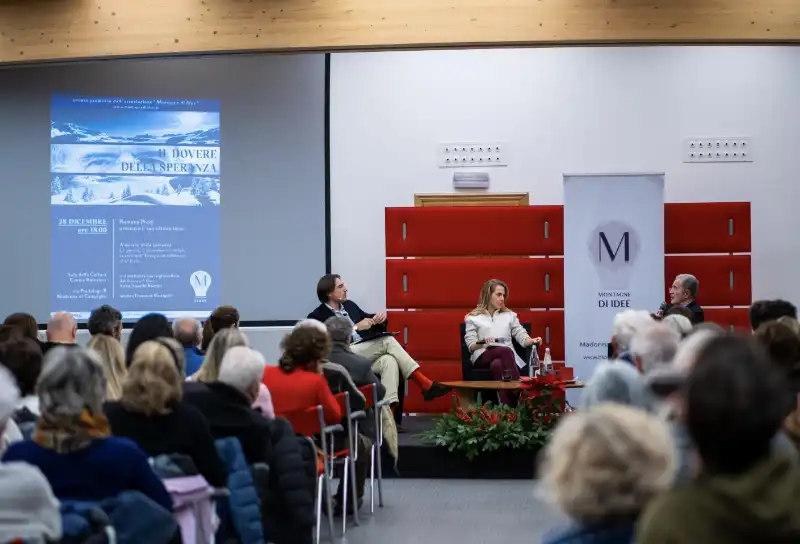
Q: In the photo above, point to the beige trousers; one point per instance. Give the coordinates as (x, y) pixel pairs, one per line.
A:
(389, 360)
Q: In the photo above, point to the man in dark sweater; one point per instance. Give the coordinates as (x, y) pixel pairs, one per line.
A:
(683, 292)
(288, 509)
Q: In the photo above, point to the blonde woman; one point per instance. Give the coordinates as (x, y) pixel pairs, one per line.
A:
(489, 330)
(223, 341)
(602, 467)
(150, 411)
(113, 356)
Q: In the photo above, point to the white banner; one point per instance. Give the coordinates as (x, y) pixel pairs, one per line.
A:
(613, 258)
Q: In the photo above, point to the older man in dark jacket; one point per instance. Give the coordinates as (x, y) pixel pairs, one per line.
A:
(288, 509)
(358, 366)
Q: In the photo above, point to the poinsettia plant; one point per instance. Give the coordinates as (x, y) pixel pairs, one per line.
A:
(480, 429)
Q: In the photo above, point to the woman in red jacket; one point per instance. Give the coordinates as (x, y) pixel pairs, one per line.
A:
(297, 382)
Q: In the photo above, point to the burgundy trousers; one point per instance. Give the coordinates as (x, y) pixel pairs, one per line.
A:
(499, 359)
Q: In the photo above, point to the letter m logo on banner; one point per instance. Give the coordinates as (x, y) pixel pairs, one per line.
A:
(604, 246)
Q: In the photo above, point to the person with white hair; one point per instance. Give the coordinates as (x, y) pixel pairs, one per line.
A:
(602, 467)
(681, 324)
(625, 326)
(226, 403)
(28, 509)
(72, 444)
(616, 382)
(667, 382)
(682, 292)
(654, 346)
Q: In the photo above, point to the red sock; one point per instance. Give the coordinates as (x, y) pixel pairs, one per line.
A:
(421, 380)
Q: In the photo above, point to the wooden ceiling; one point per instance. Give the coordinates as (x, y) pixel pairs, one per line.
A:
(67, 29)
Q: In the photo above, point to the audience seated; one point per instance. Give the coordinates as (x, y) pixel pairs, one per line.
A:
(781, 339)
(224, 317)
(297, 382)
(288, 508)
(23, 358)
(358, 366)
(25, 323)
(28, 509)
(682, 325)
(223, 341)
(113, 357)
(219, 346)
(625, 326)
(388, 357)
(602, 467)
(150, 411)
(105, 320)
(744, 491)
(72, 444)
(654, 346)
(617, 382)
(489, 330)
(681, 311)
(62, 330)
(763, 311)
(149, 327)
(187, 332)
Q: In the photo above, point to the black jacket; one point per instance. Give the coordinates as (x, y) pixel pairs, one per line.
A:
(183, 431)
(360, 370)
(697, 312)
(356, 314)
(359, 367)
(288, 511)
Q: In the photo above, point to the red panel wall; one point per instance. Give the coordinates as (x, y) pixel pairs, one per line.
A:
(438, 259)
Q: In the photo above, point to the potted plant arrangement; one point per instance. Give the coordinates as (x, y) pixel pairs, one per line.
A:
(497, 440)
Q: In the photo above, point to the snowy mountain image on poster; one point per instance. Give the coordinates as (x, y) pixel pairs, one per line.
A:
(134, 190)
(107, 126)
(134, 151)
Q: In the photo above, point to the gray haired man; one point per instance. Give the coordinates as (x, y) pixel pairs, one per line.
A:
(683, 292)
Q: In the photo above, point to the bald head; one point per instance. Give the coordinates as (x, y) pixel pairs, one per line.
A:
(62, 328)
(187, 332)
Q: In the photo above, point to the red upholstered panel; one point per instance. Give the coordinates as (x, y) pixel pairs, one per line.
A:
(434, 334)
(456, 283)
(738, 318)
(437, 371)
(459, 231)
(540, 322)
(705, 227)
(714, 275)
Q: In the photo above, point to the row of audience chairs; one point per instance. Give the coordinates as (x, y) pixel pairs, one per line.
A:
(311, 423)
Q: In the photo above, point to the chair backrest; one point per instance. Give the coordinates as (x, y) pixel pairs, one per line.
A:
(369, 394)
(306, 422)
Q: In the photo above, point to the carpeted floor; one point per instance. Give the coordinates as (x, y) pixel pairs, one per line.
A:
(463, 511)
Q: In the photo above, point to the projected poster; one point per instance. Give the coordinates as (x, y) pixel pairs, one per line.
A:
(135, 200)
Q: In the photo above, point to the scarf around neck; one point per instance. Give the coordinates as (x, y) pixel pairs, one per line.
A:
(68, 435)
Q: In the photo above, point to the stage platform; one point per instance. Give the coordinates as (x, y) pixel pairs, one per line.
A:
(419, 459)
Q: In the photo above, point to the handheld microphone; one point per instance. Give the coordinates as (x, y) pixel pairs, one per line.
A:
(663, 308)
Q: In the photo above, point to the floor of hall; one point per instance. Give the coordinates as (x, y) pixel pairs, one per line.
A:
(463, 511)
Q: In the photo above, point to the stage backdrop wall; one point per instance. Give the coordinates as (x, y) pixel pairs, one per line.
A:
(598, 109)
(613, 257)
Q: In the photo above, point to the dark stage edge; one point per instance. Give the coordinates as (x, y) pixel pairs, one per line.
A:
(419, 459)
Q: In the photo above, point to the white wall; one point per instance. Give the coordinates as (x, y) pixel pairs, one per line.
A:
(600, 109)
